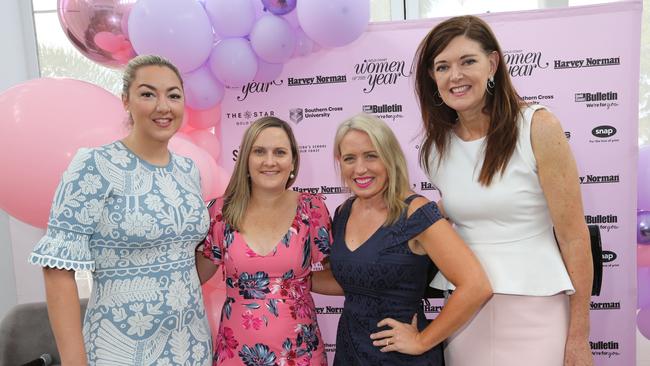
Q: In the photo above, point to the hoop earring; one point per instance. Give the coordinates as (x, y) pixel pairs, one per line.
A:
(490, 84)
(437, 94)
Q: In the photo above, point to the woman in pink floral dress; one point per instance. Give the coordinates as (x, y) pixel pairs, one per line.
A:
(266, 238)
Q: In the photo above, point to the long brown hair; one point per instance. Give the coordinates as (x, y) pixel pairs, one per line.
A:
(238, 192)
(502, 106)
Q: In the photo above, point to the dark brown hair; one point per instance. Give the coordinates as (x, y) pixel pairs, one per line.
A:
(502, 106)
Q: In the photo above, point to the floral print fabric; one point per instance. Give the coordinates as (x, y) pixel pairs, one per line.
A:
(268, 317)
(136, 226)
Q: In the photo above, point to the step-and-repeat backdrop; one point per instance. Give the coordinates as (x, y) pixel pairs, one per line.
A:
(583, 63)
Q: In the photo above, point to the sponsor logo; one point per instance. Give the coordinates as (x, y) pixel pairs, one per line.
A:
(605, 305)
(255, 87)
(604, 131)
(567, 134)
(523, 63)
(535, 99)
(609, 256)
(323, 189)
(384, 111)
(329, 310)
(604, 134)
(380, 71)
(586, 62)
(247, 117)
(235, 153)
(605, 100)
(318, 79)
(605, 222)
(605, 349)
(303, 149)
(599, 179)
(427, 186)
(429, 308)
(298, 114)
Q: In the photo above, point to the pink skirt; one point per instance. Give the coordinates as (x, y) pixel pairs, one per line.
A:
(512, 330)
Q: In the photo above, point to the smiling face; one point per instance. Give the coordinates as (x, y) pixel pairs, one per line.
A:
(461, 72)
(155, 102)
(362, 169)
(270, 161)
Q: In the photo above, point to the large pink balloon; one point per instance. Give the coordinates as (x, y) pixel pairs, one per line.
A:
(207, 141)
(98, 29)
(231, 18)
(333, 23)
(179, 30)
(202, 119)
(42, 124)
(207, 166)
(642, 255)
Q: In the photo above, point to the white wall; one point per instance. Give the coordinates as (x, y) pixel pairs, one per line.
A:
(19, 63)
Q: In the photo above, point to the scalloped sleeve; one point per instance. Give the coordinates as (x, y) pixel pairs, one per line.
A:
(320, 229)
(76, 209)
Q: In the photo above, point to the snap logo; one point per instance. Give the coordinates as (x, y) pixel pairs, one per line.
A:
(604, 131)
(609, 256)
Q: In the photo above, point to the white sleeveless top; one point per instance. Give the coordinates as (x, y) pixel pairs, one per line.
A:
(507, 224)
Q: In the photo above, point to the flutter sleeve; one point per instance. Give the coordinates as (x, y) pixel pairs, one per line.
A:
(320, 229)
(76, 209)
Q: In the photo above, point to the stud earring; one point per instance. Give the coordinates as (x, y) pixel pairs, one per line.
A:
(291, 175)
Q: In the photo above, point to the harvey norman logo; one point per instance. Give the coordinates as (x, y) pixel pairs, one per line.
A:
(323, 190)
(599, 179)
(318, 79)
(605, 305)
(586, 62)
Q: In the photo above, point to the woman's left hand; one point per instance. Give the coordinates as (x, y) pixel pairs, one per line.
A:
(402, 337)
(577, 352)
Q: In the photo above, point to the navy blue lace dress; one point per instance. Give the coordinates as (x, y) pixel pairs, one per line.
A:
(382, 278)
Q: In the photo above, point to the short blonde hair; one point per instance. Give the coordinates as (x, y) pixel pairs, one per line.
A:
(238, 192)
(391, 154)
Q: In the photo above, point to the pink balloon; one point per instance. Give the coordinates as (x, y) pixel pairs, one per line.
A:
(207, 166)
(96, 29)
(202, 89)
(202, 119)
(207, 141)
(292, 19)
(643, 287)
(643, 322)
(231, 18)
(42, 124)
(304, 44)
(642, 255)
(223, 177)
(333, 23)
(214, 296)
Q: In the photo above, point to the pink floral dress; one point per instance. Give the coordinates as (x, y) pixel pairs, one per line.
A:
(268, 317)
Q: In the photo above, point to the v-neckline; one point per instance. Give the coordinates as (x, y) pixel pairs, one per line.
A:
(277, 244)
(345, 229)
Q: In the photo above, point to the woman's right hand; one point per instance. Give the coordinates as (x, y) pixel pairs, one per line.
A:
(64, 311)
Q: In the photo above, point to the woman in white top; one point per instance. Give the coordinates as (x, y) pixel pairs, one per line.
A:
(506, 177)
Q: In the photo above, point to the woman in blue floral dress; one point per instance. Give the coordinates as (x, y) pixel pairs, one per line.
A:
(132, 213)
(266, 238)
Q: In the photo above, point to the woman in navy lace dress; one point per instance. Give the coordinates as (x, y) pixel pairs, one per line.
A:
(384, 239)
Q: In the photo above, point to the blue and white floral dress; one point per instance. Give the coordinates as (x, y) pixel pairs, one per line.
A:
(136, 226)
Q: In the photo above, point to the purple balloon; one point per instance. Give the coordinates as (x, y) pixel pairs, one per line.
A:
(273, 39)
(643, 287)
(267, 72)
(643, 179)
(231, 18)
(304, 44)
(202, 89)
(334, 23)
(179, 30)
(643, 227)
(96, 29)
(292, 19)
(233, 62)
(280, 7)
(643, 322)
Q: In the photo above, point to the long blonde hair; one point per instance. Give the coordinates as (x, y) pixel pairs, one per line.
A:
(391, 154)
(238, 192)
